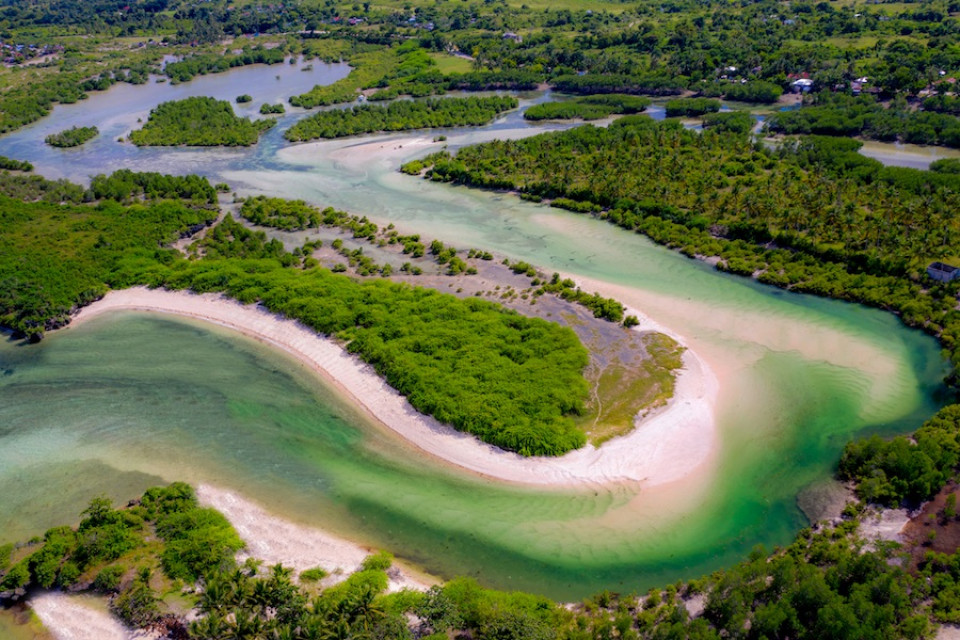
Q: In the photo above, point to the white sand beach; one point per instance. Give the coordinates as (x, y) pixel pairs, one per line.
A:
(76, 618)
(666, 446)
(268, 538)
(277, 541)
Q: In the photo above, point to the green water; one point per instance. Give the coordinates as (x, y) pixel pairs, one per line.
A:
(130, 400)
(21, 625)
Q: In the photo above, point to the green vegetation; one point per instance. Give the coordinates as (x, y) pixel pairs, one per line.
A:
(202, 64)
(654, 85)
(166, 529)
(814, 216)
(198, 122)
(278, 213)
(828, 583)
(9, 164)
(245, 98)
(839, 115)
(905, 470)
(691, 107)
(45, 276)
(757, 91)
(369, 65)
(587, 107)
(606, 308)
(313, 575)
(399, 116)
(738, 122)
(73, 137)
(512, 381)
(272, 109)
(128, 186)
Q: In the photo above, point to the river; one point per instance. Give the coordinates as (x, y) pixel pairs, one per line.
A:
(131, 400)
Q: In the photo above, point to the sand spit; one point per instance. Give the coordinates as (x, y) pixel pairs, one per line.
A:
(73, 618)
(666, 446)
(277, 541)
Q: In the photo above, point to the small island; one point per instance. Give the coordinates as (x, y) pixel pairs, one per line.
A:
(198, 122)
(272, 109)
(402, 115)
(588, 107)
(72, 137)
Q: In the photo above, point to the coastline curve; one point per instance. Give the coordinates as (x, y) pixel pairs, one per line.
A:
(664, 447)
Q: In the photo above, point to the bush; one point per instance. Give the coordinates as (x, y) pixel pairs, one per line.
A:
(380, 561)
(198, 122)
(108, 580)
(691, 107)
(138, 604)
(738, 122)
(10, 164)
(402, 115)
(313, 575)
(755, 91)
(891, 472)
(73, 137)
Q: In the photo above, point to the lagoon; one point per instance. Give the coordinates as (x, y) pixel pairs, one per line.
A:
(130, 400)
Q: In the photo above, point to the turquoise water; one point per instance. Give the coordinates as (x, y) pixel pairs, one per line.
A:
(130, 400)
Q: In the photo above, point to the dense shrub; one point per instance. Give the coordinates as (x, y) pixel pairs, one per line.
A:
(400, 116)
(198, 122)
(73, 137)
(587, 107)
(891, 472)
(691, 107)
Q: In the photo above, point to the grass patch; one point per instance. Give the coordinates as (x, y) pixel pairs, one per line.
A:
(621, 390)
(447, 64)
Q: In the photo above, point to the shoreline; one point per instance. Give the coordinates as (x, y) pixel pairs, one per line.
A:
(276, 540)
(77, 617)
(664, 447)
(269, 538)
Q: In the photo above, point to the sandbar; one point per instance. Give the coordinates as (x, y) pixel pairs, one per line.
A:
(74, 618)
(666, 446)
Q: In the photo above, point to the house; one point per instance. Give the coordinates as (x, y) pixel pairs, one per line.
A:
(803, 85)
(942, 272)
(510, 35)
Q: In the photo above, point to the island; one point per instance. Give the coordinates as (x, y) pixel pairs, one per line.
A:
(198, 122)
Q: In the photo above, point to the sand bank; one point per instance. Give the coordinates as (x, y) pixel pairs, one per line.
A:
(665, 447)
(277, 541)
(76, 618)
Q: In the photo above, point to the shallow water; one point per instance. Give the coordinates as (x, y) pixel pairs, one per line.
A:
(120, 403)
(898, 154)
(19, 625)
